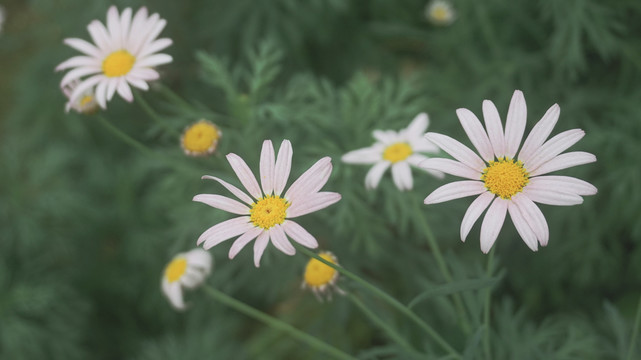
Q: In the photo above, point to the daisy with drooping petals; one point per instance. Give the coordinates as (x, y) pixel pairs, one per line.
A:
(266, 213)
(511, 183)
(200, 138)
(321, 278)
(397, 150)
(85, 103)
(124, 54)
(188, 270)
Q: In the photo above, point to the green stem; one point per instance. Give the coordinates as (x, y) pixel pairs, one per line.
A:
(153, 115)
(124, 137)
(635, 331)
(387, 298)
(177, 99)
(486, 308)
(276, 323)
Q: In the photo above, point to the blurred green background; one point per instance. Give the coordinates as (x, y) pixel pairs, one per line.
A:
(87, 223)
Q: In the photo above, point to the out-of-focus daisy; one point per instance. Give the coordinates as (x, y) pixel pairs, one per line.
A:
(440, 12)
(321, 278)
(2, 17)
(511, 183)
(397, 150)
(84, 104)
(186, 270)
(124, 53)
(266, 213)
(200, 138)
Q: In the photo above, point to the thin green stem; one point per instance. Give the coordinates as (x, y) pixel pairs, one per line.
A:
(177, 99)
(154, 116)
(124, 137)
(276, 324)
(635, 331)
(387, 298)
(486, 307)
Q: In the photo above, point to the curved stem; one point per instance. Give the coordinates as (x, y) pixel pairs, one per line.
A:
(635, 331)
(124, 137)
(153, 115)
(486, 308)
(276, 323)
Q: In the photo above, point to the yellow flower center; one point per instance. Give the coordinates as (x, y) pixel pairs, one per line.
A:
(440, 13)
(200, 137)
(397, 152)
(268, 211)
(176, 269)
(86, 100)
(118, 63)
(505, 177)
(319, 274)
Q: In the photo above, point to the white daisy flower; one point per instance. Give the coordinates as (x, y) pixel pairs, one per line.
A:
(440, 12)
(85, 103)
(186, 270)
(266, 214)
(124, 54)
(397, 150)
(511, 183)
(321, 278)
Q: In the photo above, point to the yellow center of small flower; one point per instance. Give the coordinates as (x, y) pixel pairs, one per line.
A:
(268, 211)
(86, 100)
(397, 152)
(505, 177)
(176, 269)
(440, 13)
(118, 63)
(200, 137)
(319, 274)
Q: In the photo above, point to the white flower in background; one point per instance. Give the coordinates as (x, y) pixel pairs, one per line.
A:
(397, 150)
(440, 12)
(186, 270)
(124, 53)
(266, 214)
(511, 183)
(321, 278)
(85, 103)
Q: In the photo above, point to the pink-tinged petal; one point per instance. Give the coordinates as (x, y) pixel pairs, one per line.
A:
(553, 147)
(368, 155)
(259, 246)
(144, 74)
(522, 227)
(474, 211)
(375, 174)
(84, 47)
(311, 203)
(494, 128)
(223, 203)
(77, 73)
(457, 150)
(280, 241)
(283, 166)
(299, 234)
(402, 176)
(155, 47)
(492, 223)
(455, 190)
(476, 133)
(125, 24)
(564, 161)
(113, 25)
(137, 82)
(156, 30)
(84, 86)
(565, 184)
(267, 167)
(100, 37)
(245, 175)
(137, 27)
(552, 197)
(101, 94)
(385, 136)
(515, 123)
(418, 125)
(234, 190)
(243, 240)
(540, 133)
(79, 61)
(534, 217)
(112, 85)
(224, 230)
(451, 167)
(311, 181)
(154, 60)
(416, 159)
(174, 294)
(138, 39)
(125, 91)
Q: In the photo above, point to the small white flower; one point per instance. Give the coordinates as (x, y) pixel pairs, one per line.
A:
(266, 214)
(188, 270)
(440, 12)
(511, 183)
(124, 54)
(397, 150)
(321, 278)
(85, 103)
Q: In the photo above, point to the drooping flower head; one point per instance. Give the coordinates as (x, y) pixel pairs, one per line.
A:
(440, 12)
(511, 183)
(321, 278)
(398, 150)
(200, 138)
(266, 214)
(85, 103)
(123, 53)
(186, 270)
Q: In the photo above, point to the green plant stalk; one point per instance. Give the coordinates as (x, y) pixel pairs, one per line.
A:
(635, 331)
(276, 323)
(124, 137)
(153, 115)
(486, 308)
(177, 99)
(387, 298)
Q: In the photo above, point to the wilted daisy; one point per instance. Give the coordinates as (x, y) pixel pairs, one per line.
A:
(188, 270)
(440, 12)
(267, 214)
(200, 138)
(321, 278)
(397, 150)
(124, 53)
(85, 103)
(511, 183)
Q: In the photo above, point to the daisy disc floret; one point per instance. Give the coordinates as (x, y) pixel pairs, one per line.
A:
(266, 212)
(398, 151)
(506, 179)
(85, 103)
(321, 278)
(123, 53)
(200, 138)
(186, 270)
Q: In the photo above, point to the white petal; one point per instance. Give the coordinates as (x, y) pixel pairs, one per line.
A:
(154, 60)
(522, 227)
(457, 150)
(494, 128)
(540, 133)
(515, 123)
(476, 133)
(283, 166)
(77, 73)
(155, 47)
(385, 136)
(311, 203)
(267, 167)
(138, 39)
(234, 190)
(553, 147)
(418, 125)
(534, 217)
(100, 37)
(113, 25)
(451, 167)
(79, 61)
(402, 175)
(137, 82)
(552, 197)
(423, 145)
(144, 74)
(137, 25)
(367, 155)
(280, 241)
(125, 23)
(125, 91)
(192, 278)
(84, 47)
(156, 30)
(112, 84)
(199, 258)
(492, 223)
(565, 184)
(101, 94)
(299, 234)
(455, 190)
(564, 161)
(243, 240)
(245, 175)
(84, 86)
(311, 181)
(224, 230)
(474, 211)
(223, 203)
(375, 174)
(259, 247)
(174, 293)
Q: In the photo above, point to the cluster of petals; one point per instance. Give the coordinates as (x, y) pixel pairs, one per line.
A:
(186, 270)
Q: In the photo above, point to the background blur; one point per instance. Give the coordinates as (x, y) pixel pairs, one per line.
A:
(87, 223)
